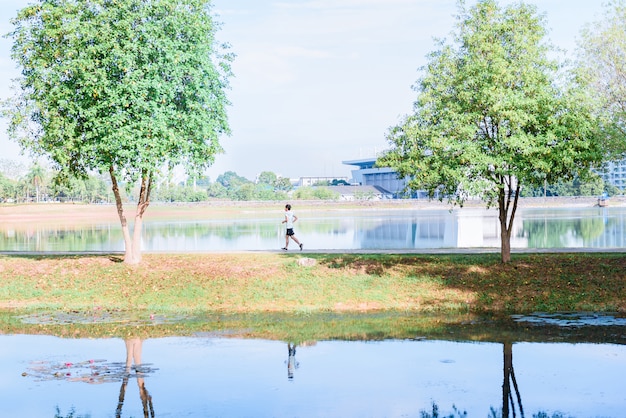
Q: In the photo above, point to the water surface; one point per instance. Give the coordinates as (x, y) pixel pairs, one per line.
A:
(218, 377)
(350, 229)
(565, 365)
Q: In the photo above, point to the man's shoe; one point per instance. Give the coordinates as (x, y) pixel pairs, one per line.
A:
(301, 247)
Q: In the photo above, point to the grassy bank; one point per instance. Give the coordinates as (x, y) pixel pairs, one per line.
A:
(275, 282)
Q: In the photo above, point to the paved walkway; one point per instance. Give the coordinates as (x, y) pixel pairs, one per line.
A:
(489, 250)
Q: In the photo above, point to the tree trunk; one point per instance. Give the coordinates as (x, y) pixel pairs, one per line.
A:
(128, 245)
(506, 220)
(505, 244)
(132, 245)
(142, 204)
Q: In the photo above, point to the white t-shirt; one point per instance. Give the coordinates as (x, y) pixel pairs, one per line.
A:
(289, 216)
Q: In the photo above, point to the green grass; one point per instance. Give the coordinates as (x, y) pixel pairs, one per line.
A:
(271, 282)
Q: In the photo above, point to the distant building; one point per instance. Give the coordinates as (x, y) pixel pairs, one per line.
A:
(385, 178)
(312, 181)
(614, 173)
(355, 192)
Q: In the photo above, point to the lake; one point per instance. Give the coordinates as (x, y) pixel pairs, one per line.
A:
(339, 229)
(559, 366)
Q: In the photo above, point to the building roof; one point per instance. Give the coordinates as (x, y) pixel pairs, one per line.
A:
(351, 190)
(362, 163)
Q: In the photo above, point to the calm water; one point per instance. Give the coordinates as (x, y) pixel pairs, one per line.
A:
(591, 227)
(207, 376)
(219, 377)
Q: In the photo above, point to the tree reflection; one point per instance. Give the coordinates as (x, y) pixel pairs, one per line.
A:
(555, 233)
(133, 356)
(509, 377)
(436, 414)
(508, 401)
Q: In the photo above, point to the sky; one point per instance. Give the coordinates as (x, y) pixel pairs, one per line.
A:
(319, 82)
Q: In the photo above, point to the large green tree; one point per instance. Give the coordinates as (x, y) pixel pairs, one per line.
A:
(127, 87)
(492, 115)
(602, 62)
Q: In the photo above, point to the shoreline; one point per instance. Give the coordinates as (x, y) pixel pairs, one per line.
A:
(550, 201)
(26, 215)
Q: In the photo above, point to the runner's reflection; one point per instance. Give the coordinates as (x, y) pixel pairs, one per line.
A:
(292, 364)
(133, 356)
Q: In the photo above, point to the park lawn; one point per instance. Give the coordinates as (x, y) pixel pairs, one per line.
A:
(259, 282)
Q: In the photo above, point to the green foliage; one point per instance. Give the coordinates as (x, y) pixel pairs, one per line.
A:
(244, 192)
(95, 188)
(557, 233)
(123, 84)
(602, 63)
(232, 186)
(92, 189)
(276, 183)
(268, 177)
(592, 186)
(217, 190)
(8, 189)
(315, 193)
(128, 87)
(491, 115)
(364, 195)
(198, 181)
(181, 194)
(38, 184)
(283, 184)
(231, 180)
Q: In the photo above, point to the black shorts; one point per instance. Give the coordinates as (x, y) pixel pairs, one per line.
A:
(290, 232)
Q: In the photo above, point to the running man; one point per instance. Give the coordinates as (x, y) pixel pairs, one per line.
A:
(290, 219)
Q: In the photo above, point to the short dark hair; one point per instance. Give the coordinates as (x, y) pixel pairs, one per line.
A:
(288, 206)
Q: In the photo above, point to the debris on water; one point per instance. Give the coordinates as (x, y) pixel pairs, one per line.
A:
(99, 316)
(571, 319)
(88, 371)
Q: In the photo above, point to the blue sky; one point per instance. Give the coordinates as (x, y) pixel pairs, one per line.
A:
(318, 82)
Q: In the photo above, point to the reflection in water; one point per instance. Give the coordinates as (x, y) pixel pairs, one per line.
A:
(393, 378)
(292, 364)
(593, 228)
(509, 377)
(358, 229)
(133, 361)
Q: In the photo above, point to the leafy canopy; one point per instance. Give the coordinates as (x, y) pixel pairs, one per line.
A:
(491, 113)
(602, 63)
(132, 85)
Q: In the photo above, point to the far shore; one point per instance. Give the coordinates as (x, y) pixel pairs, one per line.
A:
(20, 216)
(15, 214)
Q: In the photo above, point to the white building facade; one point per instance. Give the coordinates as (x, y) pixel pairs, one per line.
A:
(614, 173)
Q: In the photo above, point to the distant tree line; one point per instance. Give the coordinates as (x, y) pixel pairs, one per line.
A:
(592, 186)
(38, 184)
